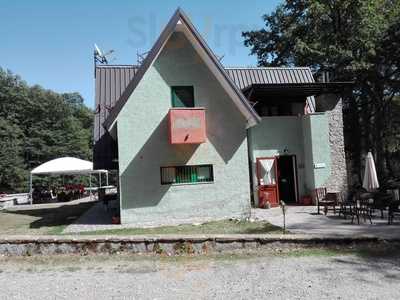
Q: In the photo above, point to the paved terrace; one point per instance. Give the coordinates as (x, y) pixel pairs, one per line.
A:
(299, 220)
(304, 220)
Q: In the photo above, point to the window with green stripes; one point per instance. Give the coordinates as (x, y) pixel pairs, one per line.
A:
(187, 174)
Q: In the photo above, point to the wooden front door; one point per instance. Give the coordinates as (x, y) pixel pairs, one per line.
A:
(267, 177)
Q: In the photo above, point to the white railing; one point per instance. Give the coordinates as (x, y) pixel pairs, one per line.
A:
(11, 199)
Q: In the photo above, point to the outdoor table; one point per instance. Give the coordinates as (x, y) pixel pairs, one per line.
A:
(367, 196)
(333, 195)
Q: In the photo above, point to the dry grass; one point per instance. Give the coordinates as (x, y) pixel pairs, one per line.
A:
(46, 219)
(216, 227)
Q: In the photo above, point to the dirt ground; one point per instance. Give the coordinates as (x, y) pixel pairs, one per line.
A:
(303, 274)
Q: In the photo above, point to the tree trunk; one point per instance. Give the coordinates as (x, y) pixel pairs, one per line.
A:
(379, 130)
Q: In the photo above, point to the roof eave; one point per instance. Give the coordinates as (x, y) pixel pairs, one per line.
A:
(168, 30)
(253, 118)
(302, 89)
(251, 115)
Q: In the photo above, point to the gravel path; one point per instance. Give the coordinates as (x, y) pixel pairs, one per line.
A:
(274, 277)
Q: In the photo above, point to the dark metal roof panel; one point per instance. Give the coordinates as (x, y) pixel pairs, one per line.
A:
(110, 82)
(244, 77)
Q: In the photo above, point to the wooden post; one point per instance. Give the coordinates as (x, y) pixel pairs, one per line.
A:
(90, 186)
(30, 188)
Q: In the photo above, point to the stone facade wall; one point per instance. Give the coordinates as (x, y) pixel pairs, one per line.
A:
(332, 104)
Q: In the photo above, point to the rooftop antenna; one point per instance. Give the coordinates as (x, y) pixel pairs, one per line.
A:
(140, 57)
(100, 57)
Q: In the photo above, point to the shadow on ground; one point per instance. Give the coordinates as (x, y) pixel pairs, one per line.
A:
(384, 259)
(44, 217)
(263, 229)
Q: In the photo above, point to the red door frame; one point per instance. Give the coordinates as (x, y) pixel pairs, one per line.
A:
(276, 186)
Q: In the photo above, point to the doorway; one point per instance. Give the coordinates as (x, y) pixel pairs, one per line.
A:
(287, 178)
(267, 171)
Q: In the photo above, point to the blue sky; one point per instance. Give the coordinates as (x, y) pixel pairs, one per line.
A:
(51, 42)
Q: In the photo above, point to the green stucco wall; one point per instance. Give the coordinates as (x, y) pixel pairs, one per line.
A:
(271, 137)
(317, 149)
(304, 136)
(144, 147)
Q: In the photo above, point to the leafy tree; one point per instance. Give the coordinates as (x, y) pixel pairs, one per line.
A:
(37, 125)
(12, 166)
(353, 40)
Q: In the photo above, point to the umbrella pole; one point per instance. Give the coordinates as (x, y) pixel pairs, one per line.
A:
(107, 178)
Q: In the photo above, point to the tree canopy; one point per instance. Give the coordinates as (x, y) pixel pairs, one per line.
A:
(352, 40)
(37, 125)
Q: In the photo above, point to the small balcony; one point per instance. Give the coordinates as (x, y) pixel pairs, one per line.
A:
(187, 125)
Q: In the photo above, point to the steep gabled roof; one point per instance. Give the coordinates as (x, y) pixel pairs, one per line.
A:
(112, 80)
(180, 18)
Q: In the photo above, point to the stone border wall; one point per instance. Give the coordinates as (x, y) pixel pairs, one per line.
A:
(170, 245)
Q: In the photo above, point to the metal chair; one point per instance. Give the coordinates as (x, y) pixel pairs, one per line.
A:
(346, 204)
(381, 202)
(394, 210)
(325, 199)
(362, 208)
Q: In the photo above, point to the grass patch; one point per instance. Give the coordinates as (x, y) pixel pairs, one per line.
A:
(43, 219)
(56, 230)
(215, 227)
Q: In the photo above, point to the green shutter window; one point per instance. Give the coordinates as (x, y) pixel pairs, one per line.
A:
(182, 96)
(187, 174)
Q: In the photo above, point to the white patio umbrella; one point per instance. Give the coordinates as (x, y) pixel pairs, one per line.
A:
(370, 181)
